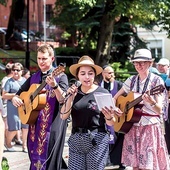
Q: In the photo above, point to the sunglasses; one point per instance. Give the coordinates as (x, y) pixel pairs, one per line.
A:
(109, 72)
(16, 70)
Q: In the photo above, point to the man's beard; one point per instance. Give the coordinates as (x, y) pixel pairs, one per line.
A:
(109, 79)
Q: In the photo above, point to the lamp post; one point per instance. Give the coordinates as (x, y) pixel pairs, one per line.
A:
(27, 61)
(44, 20)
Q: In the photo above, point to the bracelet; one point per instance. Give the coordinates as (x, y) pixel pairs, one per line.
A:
(153, 104)
(109, 118)
(56, 86)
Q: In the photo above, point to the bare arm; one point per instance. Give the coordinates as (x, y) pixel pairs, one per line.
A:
(120, 92)
(67, 106)
(155, 103)
(8, 96)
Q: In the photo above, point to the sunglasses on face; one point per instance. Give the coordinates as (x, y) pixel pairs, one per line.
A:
(109, 72)
(16, 70)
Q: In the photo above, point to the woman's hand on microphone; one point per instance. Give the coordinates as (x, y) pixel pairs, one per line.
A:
(72, 92)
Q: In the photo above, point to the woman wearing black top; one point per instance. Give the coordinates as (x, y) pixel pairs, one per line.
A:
(88, 143)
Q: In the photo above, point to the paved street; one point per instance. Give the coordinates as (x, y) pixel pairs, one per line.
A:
(19, 160)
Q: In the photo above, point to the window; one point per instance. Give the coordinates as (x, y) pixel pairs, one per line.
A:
(49, 12)
(156, 48)
(156, 53)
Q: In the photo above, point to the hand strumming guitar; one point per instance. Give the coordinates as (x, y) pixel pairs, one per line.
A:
(16, 101)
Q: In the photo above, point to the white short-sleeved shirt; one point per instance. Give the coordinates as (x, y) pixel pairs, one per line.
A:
(153, 81)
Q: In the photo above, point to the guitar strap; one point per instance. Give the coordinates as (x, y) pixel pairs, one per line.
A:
(145, 85)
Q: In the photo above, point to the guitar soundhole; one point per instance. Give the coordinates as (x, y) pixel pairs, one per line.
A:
(126, 108)
(31, 98)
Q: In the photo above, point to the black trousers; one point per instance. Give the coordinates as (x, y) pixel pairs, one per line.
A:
(116, 150)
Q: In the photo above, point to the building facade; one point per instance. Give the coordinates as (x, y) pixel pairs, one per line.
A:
(157, 41)
(37, 15)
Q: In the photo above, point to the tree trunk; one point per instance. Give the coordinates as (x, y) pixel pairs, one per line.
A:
(105, 35)
(17, 11)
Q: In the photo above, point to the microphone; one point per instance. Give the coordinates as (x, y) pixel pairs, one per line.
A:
(77, 84)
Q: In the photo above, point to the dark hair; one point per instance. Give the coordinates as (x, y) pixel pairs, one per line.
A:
(24, 71)
(8, 68)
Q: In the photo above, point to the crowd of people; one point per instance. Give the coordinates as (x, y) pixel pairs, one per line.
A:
(93, 143)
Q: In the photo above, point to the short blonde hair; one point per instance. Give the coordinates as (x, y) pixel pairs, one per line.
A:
(46, 48)
(17, 65)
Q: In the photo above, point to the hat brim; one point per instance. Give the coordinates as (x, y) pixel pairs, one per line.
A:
(73, 68)
(141, 59)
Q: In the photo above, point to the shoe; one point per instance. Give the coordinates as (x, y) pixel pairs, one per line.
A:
(24, 150)
(12, 143)
(18, 142)
(121, 166)
(10, 149)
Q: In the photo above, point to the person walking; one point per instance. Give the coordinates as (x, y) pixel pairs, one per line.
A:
(2, 128)
(8, 71)
(14, 124)
(88, 143)
(47, 135)
(163, 68)
(144, 144)
(113, 86)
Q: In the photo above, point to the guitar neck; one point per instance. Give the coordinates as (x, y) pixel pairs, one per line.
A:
(42, 85)
(134, 102)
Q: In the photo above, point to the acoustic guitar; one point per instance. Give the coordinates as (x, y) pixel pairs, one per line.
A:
(35, 99)
(131, 112)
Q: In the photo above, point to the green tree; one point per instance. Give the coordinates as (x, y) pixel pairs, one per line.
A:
(95, 21)
(3, 2)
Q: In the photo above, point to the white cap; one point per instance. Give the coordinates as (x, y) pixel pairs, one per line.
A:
(163, 61)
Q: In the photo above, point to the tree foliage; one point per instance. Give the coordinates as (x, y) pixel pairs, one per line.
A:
(106, 26)
(3, 2)
(96, 23)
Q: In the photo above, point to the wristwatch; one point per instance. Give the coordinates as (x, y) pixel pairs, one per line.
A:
(56, 86)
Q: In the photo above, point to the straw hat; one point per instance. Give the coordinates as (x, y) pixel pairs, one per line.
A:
(142, 55)
(84, 61)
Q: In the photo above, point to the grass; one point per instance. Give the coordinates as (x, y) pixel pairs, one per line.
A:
(16, 56)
